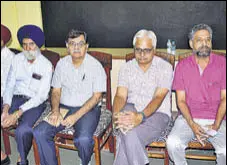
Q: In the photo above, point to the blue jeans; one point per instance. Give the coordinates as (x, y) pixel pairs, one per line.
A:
(83, 137)
(24, 130)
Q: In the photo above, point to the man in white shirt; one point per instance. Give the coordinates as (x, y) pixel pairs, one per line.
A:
(78, 83)
(6, 60)
(27, 88)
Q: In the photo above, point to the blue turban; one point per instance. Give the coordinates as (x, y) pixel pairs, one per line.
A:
(33, 32)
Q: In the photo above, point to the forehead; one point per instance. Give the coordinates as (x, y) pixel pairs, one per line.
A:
(202, 34)
(27, 40)
(144, 42)
(78, 39)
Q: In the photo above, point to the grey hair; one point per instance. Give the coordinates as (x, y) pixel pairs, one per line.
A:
(145, 33)
(200, 27)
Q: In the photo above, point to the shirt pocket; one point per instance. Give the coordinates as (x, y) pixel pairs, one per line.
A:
(35, 84)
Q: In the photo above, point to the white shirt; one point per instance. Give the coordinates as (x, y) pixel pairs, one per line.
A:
(78, 84)
(142, 85)
(6, 60)
(21, 81)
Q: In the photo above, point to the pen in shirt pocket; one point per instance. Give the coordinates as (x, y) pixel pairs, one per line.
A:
(83, 77)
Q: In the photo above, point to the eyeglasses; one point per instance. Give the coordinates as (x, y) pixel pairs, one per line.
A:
(145, 51)
(74, 44)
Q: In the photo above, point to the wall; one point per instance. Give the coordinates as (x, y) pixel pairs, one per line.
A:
(15, 14)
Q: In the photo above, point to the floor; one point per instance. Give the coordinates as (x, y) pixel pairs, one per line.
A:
(69, 157)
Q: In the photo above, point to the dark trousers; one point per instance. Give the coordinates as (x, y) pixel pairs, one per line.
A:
(83, 137)
(24, 131)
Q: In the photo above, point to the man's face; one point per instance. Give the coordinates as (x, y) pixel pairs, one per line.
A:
(144, 50)
(77, 47)
(30, 48)
(201, 43)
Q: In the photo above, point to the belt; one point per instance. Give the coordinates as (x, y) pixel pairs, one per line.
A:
(22, 96)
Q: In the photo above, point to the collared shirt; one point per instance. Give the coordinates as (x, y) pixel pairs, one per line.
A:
(29, 79)
(78, 84)
(6, 60)
(142, 85)
(202, 91)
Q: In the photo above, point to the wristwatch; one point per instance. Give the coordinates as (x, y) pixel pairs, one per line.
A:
(144, 117)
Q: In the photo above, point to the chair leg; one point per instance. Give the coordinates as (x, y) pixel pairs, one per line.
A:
(58, 154)
(115, 142)
(6, 142)
(111, 143)
(166, 158)
(36, 152)
(97, 151)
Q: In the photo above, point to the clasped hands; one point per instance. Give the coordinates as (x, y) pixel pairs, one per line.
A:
(126, 120)
(55, 119)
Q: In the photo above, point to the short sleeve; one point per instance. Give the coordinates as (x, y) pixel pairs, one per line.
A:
(57, 77)
(100, 79)
(166, 77)
(123, 76)
(178, 82)
(223, 73)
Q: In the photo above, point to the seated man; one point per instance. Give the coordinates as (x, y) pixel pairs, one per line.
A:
(6, 60)
(142, 101)
(78, 83)
(200, 84)
(27, 88)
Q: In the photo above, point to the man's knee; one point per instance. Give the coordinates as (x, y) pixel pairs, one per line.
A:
(173, 142)
(23, 130)
(83, 141)
(40, 131)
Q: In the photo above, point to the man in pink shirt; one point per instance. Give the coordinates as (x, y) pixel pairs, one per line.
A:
(200, 84)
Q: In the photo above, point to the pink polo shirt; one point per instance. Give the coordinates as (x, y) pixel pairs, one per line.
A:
(202, 91)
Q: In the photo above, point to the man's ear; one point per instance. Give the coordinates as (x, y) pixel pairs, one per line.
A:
(67, 46)
(87, 45)
(190, 44)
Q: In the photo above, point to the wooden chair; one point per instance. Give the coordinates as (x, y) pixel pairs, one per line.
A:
(156, 149)
(103, 133)
(194, 144)
(53, 57)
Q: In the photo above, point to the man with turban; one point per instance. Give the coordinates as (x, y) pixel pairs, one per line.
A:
(27, 88)
(6, 60)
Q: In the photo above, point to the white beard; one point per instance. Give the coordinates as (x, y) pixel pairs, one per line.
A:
(31, 55)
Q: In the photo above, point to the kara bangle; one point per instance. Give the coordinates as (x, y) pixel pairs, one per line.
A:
(144, 117)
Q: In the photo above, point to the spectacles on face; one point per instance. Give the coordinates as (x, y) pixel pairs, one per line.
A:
(145, 51)
(74, 44)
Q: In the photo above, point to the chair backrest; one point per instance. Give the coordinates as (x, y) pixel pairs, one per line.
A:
(187, 54)
(52, 56)
(16, 51)
(106, 60)
(165, 56)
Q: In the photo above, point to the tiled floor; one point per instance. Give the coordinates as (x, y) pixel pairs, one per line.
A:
(69, 157)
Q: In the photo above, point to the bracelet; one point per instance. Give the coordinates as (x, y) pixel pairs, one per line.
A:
(144, 117)
(16, 114)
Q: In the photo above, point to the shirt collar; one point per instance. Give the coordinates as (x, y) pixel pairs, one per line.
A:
(210, 60)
